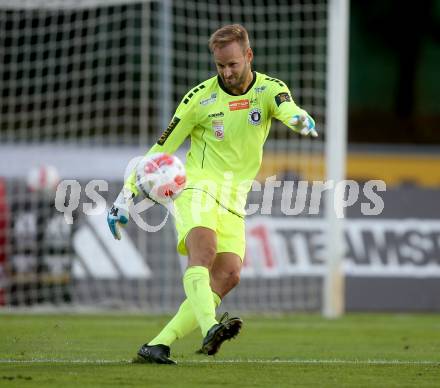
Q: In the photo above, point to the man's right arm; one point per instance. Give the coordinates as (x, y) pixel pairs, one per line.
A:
(177, 131)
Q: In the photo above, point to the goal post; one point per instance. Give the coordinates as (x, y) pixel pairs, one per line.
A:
(335, 151)
(89, 84)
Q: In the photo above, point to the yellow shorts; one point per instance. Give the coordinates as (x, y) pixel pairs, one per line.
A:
(197, 208)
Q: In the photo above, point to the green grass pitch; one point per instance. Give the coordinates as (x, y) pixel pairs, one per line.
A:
(377, 350)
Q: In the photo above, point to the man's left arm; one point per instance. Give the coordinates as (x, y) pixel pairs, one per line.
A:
(284, 109)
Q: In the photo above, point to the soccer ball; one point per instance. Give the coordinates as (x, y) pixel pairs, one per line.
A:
(160, 177)
(43, 179)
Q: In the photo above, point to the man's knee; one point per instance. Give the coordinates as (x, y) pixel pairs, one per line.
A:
(234, 279)
(201, 245)
(202, 256)
(223, 282)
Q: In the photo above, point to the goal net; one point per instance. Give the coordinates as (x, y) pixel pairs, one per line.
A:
(89, 84)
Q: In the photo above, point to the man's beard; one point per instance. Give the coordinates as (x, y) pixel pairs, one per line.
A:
(237, 83)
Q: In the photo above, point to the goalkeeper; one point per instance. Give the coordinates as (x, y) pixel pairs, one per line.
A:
(228, 119)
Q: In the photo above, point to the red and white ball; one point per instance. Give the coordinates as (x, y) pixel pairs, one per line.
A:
(44, 178)
(161, 177)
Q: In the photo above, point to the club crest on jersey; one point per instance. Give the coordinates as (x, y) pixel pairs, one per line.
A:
(218, 129)
(209, 100)
(255, 116)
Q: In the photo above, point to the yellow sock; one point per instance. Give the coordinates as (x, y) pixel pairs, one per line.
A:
(183, 323)
(199, 293)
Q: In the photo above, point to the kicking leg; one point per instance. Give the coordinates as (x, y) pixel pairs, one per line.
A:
(200, 304)
(201, 244)
(225, 275)
(184, 322)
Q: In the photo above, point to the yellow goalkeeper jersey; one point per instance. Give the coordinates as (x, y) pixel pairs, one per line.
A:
(227, 135)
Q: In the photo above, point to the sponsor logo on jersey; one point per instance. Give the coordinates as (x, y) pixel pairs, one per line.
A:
(219, 129)
(239, 104)
(255, 116)
(282, 97)
(209, 100)
(218, 114)
(260, 89)
(168, 131)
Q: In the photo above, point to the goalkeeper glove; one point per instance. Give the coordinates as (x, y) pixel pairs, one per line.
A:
(305, 123)
(118, 215)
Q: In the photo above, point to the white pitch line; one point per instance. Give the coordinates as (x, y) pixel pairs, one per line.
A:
(335, 361)
(247, 361)
(61, 361)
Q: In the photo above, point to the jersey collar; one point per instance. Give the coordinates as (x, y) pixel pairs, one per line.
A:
(222, 85)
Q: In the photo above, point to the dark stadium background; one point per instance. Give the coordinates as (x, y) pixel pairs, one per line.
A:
(394, 77)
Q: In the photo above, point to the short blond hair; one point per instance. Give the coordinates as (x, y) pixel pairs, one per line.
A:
(228, 34)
